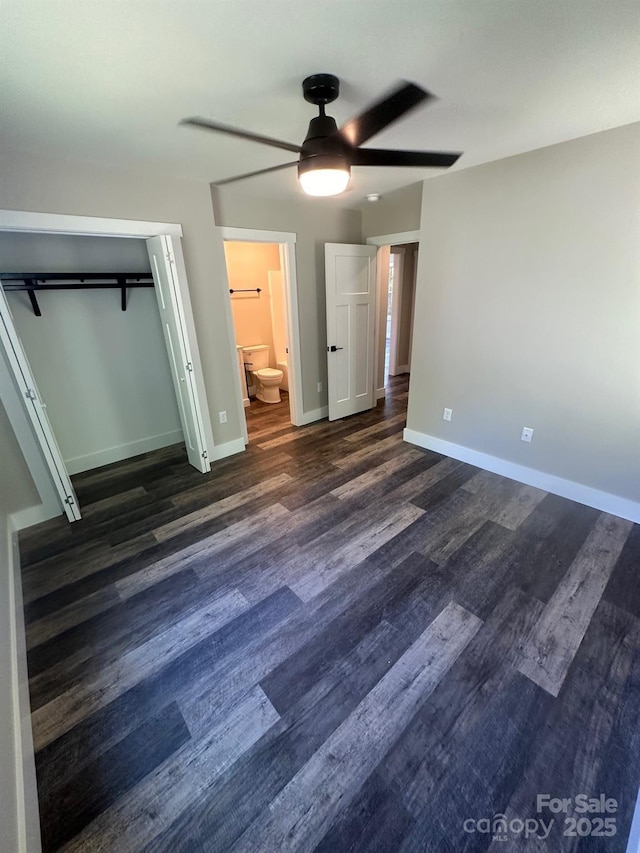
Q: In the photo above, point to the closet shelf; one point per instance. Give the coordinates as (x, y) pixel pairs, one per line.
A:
(34, 282)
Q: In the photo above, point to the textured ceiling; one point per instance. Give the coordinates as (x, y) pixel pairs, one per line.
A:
(108, 81)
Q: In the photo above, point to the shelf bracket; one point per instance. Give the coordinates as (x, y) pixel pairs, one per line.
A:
(123, 294)
(34, 299)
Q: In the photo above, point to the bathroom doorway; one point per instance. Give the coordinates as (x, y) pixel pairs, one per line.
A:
(263, 305)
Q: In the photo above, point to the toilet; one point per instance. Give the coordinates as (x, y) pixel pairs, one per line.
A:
(267, 379)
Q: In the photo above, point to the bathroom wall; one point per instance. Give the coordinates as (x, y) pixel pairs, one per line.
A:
(248, 266)
(278, 315)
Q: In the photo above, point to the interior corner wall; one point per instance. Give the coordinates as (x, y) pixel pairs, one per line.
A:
(315, 222)
(102, 372)
(528, 311)
(85, 189)
(394, 213)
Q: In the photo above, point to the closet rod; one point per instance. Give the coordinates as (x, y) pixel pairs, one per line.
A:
(34, 282)
(246, 290)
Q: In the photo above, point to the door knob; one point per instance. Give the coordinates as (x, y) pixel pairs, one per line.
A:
(334, 349)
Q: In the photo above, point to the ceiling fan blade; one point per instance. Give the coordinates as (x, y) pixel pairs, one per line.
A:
(206, 124)
(252, 174)
(384, 157)
(384, 112)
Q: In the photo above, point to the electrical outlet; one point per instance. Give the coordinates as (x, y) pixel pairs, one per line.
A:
(223, 417)
(319, 387)
(527, 434)
(446, 415)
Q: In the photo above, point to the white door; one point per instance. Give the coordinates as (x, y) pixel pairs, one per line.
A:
(181, 362)
(350, 273)
(36, 410)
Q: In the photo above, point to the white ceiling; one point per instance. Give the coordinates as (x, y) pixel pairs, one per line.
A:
(108, 80)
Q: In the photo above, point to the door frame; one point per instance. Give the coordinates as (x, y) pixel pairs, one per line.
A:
(397, 239)
(286, 242)
(93, 226)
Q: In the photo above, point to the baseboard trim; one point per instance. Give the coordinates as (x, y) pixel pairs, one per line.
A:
(380, 393)
(314, 415)
(26, 792)
(604, 501)
(122, 451)
(229, 448)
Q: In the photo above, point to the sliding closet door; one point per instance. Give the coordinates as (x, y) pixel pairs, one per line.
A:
(17, 360)
(181, 362)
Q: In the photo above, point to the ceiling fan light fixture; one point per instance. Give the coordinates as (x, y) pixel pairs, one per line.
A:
(324, 176)
(328, 152)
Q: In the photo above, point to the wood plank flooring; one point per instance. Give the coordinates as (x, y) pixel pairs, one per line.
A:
(332, 642)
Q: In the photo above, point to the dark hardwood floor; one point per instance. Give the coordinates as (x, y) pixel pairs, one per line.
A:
(335, 642)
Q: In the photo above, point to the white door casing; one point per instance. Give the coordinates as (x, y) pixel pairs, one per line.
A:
(350, 278)
(162, 256)
(36, 410)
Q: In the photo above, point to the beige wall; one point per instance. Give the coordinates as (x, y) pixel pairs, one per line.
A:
(315, 222)
(528, 310)
(34, 184)
(248, 266)
(396, 212)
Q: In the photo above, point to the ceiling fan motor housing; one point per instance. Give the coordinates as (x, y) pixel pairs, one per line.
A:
(323, 147)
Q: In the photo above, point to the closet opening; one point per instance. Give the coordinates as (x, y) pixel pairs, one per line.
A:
(94, 331)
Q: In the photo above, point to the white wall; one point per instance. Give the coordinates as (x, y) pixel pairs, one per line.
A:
(103, 372)
(528, 311)
(315, 222)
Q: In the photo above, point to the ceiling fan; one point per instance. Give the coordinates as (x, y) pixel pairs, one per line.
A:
(327, 154)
